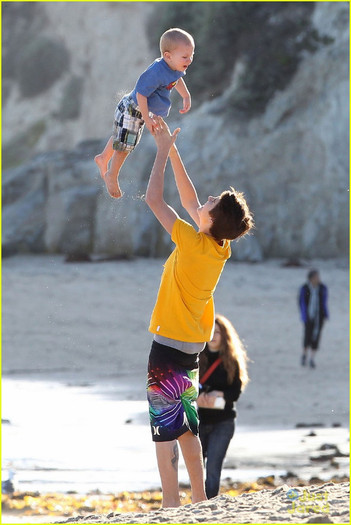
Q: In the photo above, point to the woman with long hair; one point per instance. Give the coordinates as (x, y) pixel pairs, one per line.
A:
(223, 376)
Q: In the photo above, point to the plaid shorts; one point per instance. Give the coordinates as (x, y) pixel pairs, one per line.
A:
(128, 125)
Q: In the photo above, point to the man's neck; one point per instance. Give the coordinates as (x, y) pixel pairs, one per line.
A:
(207, 232)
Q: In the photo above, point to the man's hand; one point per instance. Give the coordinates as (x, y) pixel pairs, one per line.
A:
(186, 104)
(150, 123)
(163, 137)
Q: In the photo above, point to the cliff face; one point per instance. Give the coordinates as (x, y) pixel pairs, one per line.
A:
(65, 64)
(291, 160)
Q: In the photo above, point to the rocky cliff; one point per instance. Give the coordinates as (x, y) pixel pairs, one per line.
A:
(290, 158)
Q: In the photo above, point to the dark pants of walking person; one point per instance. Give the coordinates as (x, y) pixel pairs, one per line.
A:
(311, 337)
(215, 440)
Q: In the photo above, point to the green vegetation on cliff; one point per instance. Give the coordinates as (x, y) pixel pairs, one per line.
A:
(267, 38)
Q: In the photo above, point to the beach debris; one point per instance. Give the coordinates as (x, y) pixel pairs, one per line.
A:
(8, 486)
(327, 452)
(314, 480)
(268, 481)
(56, 504)
(322, 456)
(327, 446)
(111, 258)
(309, 425)
(77, 257)
(292, 262)
(78, 507)
(289, 476)
(335, 448)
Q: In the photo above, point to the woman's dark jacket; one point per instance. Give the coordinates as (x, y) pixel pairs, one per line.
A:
(218, 380)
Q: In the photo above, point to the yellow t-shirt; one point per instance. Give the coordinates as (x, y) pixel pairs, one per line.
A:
(184, 308)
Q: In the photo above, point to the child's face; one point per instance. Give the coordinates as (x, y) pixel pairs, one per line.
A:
(180, 58)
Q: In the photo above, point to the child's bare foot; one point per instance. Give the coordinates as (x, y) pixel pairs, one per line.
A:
(101, 164)
(112, 186)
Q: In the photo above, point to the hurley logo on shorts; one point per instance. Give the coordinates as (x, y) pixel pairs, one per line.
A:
(156, 430)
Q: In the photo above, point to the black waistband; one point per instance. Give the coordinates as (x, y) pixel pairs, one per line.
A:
(169, 354)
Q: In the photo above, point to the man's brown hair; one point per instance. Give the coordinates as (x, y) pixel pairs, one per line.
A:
(231, 216)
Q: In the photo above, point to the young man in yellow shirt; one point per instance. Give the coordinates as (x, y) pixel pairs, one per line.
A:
(183, 317)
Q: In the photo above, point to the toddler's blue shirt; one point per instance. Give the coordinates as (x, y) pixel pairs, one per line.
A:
(156, 83)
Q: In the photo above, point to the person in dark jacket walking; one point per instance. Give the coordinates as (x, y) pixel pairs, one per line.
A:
(313, 299)
(223, 376)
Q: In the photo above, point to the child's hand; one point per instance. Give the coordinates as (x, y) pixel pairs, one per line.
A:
(151, 124)
(186, 104)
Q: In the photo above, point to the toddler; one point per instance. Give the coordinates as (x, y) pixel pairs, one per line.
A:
(150, 96)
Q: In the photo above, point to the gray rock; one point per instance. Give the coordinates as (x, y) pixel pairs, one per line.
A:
(24, 202)
(71, 204)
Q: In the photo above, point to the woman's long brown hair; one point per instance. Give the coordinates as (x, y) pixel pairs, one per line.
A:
(232, 352)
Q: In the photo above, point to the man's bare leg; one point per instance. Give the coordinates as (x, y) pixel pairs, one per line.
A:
(192, 454)
(103, 158)
(111, 176)
(167, 460)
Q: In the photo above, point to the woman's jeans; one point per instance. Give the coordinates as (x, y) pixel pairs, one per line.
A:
(215, 440)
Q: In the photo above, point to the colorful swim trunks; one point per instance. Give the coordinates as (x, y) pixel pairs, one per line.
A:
(172, 388)
(128, 125)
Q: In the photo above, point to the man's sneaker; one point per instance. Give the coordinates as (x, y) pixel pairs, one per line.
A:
(312, 364)
(303, 360)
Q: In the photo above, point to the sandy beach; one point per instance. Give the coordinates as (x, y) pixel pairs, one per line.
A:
(328, 503)
(78, 332)
(88, 323)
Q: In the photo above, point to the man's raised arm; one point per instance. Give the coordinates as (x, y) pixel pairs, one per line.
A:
(186, 188)
(154, 192)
